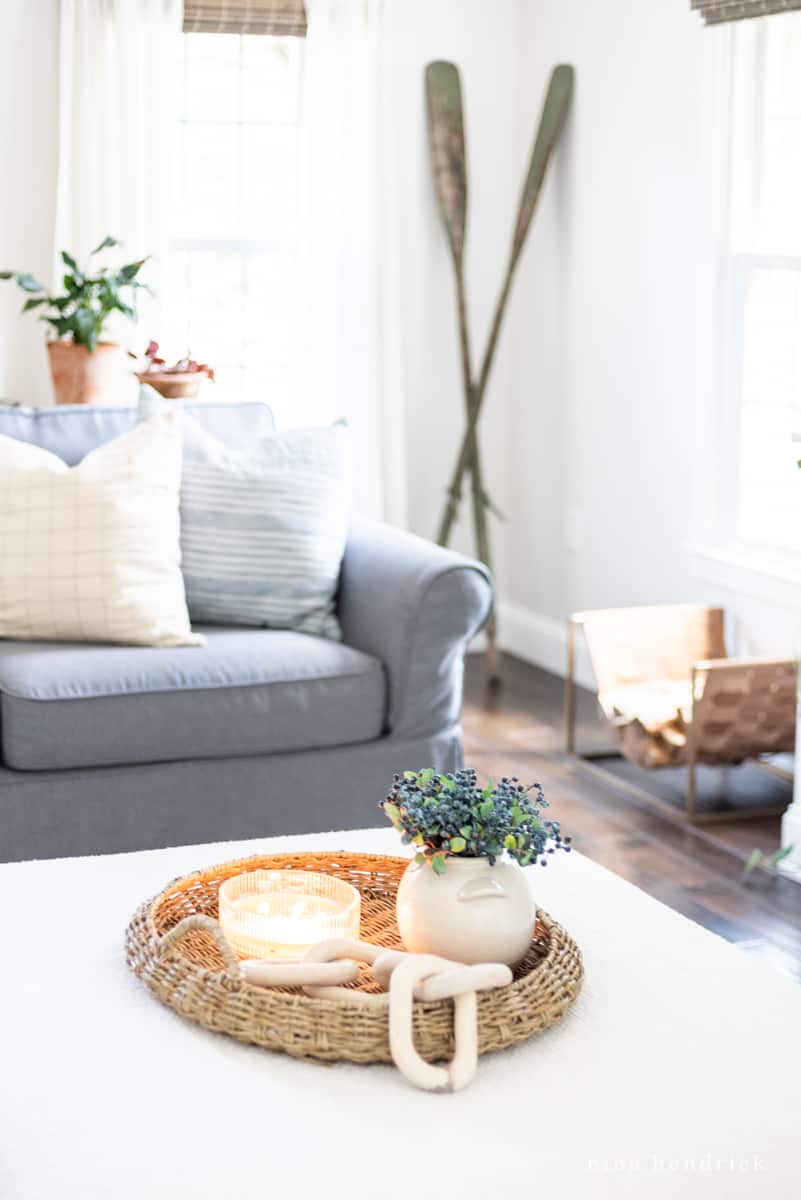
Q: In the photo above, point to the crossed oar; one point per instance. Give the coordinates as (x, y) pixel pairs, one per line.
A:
(448, 158)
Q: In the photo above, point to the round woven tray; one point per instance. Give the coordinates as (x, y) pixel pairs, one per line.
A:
(192, 979)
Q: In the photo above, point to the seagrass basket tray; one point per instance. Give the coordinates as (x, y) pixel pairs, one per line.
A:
(194, 980)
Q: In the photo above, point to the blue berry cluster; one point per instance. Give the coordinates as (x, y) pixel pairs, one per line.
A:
(451, 814)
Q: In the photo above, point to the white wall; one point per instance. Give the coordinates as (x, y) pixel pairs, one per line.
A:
(28, 140)
(614, 320)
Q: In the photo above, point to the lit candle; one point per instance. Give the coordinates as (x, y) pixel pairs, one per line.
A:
(280, 914)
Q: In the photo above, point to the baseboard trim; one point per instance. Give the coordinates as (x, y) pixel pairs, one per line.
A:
(540, 640)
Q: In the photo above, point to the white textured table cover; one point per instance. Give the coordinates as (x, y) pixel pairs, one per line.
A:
(677, 1073)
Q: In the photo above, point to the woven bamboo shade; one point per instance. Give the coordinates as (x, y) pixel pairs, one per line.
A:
(282, 18)
(715, 12)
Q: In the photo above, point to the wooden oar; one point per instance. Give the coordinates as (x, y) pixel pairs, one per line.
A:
(552, 119)
(448, 161)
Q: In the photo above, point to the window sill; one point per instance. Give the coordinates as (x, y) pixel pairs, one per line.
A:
(774, 578)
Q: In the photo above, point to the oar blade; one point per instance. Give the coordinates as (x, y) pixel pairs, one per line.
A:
(447, 145)
(552, 118)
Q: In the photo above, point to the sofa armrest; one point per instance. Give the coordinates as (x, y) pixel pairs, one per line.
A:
(415, 606)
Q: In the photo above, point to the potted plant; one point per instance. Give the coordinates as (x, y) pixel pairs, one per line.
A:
(464, 895)
(181, 381)
(85, 369)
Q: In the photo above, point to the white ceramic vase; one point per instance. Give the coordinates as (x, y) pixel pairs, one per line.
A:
(472, 913)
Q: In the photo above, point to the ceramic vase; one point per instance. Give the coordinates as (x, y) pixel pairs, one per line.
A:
(472, 913)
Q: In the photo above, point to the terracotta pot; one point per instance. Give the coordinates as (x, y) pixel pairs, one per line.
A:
(174, 385)
(84, 377)
(472, 913)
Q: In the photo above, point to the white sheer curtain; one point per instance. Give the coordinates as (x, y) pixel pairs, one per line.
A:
(350, 316)
(116, 112)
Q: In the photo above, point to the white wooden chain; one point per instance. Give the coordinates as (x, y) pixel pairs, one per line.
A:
(425, 977)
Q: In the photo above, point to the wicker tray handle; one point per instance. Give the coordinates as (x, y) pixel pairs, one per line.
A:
(200, 921)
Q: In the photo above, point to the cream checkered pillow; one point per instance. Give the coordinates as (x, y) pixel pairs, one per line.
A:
(92, 553)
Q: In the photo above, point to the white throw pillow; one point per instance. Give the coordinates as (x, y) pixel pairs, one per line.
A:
(92, 552)
(263, 528)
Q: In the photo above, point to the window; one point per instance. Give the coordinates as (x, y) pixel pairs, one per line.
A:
(765, 284)
(233, 222)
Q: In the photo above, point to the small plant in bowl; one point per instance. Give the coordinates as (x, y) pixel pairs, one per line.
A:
(464, 896)
(180, 381)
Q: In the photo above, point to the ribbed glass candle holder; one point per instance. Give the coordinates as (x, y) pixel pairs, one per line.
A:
(281, 914)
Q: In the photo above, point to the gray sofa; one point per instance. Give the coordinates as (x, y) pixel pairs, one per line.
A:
(108, 748)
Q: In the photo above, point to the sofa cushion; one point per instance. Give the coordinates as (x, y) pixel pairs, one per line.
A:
(92, 553)
(72, 430)
(244, 692)
(263, 529)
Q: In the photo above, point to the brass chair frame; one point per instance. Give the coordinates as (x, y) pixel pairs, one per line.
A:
(589, 759)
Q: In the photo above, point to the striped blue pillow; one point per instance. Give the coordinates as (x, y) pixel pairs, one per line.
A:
(263, 529)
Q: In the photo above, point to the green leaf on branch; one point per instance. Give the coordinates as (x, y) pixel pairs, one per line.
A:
(34, 303)
(753, 861)
(69, 261)
(130, 271)
(62, 325)
(438, 863)
(29, 283)
(779, 855)
(458, 844)
(106, 244)
(757, 858)
(85, 325)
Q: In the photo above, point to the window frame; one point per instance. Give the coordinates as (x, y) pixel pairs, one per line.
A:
(242, 247)
(719, 554)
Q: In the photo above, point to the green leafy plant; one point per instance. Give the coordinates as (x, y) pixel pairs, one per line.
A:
(758, 858)
(90, 296)
(448, 815)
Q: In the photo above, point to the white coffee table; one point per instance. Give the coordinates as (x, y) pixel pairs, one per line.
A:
(677, 1074)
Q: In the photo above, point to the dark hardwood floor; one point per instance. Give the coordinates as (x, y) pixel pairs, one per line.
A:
(517, 728)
